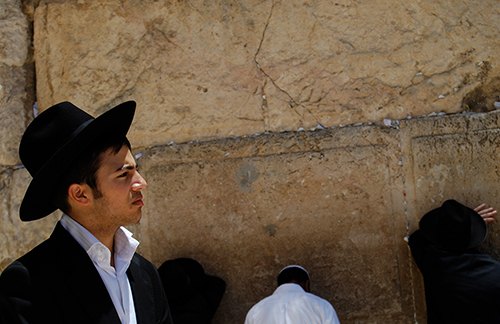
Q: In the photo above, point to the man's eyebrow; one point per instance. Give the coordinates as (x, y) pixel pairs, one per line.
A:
(126, 167)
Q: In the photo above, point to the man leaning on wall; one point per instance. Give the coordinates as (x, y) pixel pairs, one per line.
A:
(461, 284)
(88, 270)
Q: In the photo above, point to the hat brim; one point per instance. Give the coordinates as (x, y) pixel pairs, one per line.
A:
(38, 200)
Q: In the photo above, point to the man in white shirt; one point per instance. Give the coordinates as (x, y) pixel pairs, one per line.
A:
(87, 271)
(292, 302)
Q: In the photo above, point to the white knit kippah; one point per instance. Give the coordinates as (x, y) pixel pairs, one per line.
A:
(295, 266)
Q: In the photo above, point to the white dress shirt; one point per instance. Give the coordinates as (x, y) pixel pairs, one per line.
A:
(290, 304)
(115, 278)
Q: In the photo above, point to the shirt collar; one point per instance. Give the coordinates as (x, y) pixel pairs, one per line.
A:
(287, 288)
(125, 244)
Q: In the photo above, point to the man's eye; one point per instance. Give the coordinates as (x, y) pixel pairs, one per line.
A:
(123, 175)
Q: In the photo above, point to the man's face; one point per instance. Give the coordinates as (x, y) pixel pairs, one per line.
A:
(120, 185)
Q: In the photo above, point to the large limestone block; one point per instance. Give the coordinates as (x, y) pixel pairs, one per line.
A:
(17, 237)
(165, 55)
(331, 201)
(14, 34)
(453, 157)
(14, 79)
(217, 69)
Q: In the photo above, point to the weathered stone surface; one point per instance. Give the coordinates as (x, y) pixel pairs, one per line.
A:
(14, 34)
(219, 69)
(330, 200)
(17, 237)
(454, 157)
(14, 93)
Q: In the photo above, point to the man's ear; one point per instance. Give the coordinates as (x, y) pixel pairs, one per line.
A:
(79, 194)
(308, 286)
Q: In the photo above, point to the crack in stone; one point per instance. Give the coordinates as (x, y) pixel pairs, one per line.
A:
(265, 108)
(404, 90)
(48, 52)
(292, 103)
(167, 39)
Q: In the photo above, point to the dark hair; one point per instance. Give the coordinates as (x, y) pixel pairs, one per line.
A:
(83, 169)
(291, 274)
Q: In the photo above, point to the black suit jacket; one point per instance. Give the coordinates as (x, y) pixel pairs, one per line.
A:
(460, 286)
(57, 282)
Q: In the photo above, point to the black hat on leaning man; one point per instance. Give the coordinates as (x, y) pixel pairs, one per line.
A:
(454, 226)
(54, 139)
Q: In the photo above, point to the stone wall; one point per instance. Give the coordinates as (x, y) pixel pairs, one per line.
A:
(223, 68)
(240, 126)
(17, 95)
(245, 208)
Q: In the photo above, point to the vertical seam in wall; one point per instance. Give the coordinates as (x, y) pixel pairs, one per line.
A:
(405, 204)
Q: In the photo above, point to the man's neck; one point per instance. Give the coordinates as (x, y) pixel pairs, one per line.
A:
(87, 236)
(105, 234)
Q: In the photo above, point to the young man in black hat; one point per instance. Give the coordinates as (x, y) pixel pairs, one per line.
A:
(461, 284)
(87, 271)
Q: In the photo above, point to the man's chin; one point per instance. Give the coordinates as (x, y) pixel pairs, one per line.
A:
(135, 220)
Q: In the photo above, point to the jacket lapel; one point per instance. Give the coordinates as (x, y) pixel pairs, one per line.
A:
(142, 291)
(90, 293)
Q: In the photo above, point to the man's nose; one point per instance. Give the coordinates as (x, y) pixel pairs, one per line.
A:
(139, 182)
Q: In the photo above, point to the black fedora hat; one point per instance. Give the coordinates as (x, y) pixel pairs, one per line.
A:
(454, 226)
(54, 139)
(193, 295)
